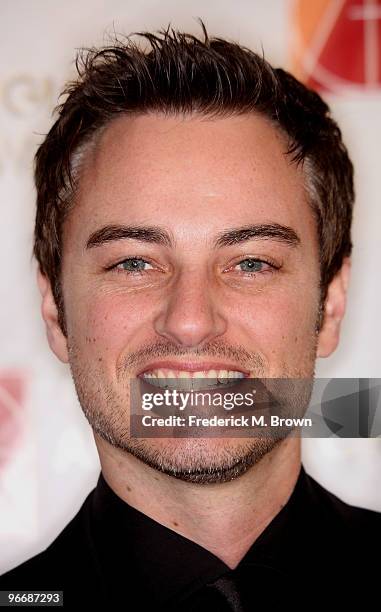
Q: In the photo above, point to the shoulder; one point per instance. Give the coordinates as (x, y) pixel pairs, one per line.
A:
(339, 533)
(67, 555)
(338, 543)
(333, 509)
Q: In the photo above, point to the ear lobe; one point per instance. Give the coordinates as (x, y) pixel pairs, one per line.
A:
(57, 340)
(334, 310)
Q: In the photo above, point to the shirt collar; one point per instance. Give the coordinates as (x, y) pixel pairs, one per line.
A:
(166, 564)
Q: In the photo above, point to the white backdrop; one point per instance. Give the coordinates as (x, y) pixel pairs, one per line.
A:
(48, 461)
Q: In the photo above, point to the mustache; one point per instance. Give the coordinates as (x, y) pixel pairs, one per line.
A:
(137, 359)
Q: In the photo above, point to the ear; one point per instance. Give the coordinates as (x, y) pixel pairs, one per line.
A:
(334, 310)
(57, 340)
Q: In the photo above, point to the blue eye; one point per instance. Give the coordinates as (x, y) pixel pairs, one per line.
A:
(251, 265)
(133, 264)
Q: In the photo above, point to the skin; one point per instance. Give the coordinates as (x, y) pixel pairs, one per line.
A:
(193, 177)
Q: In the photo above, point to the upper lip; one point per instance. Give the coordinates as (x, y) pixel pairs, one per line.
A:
(192, 366)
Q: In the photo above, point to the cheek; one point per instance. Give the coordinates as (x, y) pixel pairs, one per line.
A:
(280, 326)
(105, 323)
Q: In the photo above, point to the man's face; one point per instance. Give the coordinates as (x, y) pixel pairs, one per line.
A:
(186, 289)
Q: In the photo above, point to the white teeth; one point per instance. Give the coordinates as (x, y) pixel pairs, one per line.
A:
(211, 374)
(223, 375)
(165, 377)
(162, 373)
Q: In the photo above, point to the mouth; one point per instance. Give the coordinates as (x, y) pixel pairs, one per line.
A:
(202, 378)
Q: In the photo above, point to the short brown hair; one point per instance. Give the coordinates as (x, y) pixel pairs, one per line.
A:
(180, 73)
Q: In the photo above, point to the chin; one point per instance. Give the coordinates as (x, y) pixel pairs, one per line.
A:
(201, 460)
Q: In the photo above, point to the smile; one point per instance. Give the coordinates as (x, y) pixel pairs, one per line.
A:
(171, 378)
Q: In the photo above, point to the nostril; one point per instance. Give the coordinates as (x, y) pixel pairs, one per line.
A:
(190, 324)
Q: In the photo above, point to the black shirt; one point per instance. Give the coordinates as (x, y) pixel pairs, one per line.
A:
(317, 549)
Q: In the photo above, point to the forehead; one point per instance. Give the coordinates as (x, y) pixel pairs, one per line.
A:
(179, 169)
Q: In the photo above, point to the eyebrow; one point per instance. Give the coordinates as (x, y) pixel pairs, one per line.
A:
(111, 233)
(264, 231)
(157, 235)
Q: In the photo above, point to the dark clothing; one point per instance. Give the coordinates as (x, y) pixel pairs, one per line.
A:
(317, 549)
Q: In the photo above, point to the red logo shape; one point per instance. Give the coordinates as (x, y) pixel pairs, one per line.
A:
(12, 416)
(337, 44)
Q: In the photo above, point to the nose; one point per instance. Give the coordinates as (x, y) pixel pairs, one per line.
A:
(191, 315)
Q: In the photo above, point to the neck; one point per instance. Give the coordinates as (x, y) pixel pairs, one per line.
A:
(224, 518)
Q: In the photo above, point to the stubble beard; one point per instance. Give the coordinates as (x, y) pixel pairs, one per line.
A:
(195, 460)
